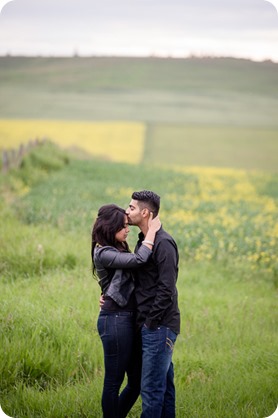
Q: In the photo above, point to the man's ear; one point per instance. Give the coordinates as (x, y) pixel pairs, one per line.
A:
(145, 212)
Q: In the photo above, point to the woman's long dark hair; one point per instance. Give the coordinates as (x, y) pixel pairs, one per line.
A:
(110, 220)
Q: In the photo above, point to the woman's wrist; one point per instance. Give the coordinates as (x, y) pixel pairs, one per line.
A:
(150, 236)
(146, 241)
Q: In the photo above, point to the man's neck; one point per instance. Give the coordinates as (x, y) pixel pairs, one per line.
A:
(144, 229)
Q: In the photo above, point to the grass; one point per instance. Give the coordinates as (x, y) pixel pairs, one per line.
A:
(193, 112)
(225, 223)
(224, 356)
(183, 91)
(227, 146)
(215, 146)
(204, 112)
(89, 74)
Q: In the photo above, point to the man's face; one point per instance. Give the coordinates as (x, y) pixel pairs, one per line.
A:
(134, 214)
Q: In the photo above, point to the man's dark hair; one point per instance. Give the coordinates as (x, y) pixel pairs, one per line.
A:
(148, 199)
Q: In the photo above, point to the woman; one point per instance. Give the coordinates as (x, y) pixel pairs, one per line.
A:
(113, 264)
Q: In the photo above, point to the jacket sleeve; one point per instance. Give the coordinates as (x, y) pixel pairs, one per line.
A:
(110, 257)
(166, 259)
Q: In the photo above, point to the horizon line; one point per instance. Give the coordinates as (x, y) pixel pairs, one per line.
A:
(139, 56)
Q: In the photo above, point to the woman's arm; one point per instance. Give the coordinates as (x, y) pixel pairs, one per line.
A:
(110, 257)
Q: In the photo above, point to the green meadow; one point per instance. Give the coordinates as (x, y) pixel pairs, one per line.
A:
(210, 152)
(215, 146)
(192, 91)
(216, 112)
(51, 356)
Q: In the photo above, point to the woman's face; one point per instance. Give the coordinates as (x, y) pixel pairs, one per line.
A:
(121, 235)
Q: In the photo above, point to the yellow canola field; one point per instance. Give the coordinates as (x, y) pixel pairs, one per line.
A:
(115, 141)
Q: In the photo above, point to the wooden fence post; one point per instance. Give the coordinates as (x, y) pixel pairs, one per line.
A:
(13, 157)
(5, 161)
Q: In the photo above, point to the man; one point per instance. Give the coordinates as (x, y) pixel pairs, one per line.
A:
(158, 315)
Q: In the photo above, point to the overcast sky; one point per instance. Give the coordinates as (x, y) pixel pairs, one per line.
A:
(240, 28)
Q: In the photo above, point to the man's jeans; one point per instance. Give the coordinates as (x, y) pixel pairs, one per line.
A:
(122, 354)
(157, 384)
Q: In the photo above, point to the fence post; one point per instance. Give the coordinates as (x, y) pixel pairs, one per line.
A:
(5, 161)
(13, 157)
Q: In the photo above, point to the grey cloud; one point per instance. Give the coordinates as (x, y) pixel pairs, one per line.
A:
(65, 20)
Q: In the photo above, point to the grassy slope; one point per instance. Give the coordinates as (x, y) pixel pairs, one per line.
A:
(50, 352)
(220, 112)
(199, 91)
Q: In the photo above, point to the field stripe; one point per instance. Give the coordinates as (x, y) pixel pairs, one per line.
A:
(115, 141)
(215, 146)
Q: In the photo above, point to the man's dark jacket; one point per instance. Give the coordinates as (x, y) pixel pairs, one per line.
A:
(155, 289)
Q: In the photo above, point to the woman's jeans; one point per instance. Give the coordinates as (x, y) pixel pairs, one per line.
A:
(122, 354)
(157, 385)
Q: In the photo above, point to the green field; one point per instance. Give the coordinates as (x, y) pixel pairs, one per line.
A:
(199, 91)
(211, 152)
(217, 112)
(216, 146)
(225, 224)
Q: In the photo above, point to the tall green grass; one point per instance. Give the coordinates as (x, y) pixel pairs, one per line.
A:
(51, 356)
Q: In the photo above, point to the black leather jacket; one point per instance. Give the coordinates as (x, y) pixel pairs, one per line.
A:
(114, 270)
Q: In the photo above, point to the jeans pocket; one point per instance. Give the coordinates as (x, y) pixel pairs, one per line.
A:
(170, 340)
(101, 325)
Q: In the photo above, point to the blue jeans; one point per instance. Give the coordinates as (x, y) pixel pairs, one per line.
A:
(157, 384)
(118, 336)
